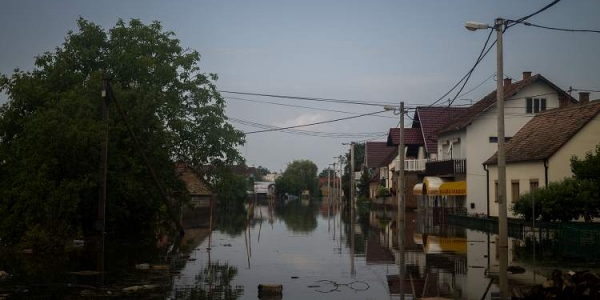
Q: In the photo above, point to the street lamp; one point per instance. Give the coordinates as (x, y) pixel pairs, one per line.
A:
(499, 25)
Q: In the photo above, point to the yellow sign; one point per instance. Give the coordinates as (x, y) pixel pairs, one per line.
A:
(456, 188)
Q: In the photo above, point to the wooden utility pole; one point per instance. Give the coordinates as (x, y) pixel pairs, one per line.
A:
(352, 192)
(401, 204)
(101, 213)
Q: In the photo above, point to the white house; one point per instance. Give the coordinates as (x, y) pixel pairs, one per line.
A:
(541, 151)
(472, 137)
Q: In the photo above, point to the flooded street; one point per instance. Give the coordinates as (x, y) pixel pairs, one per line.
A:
(303, 246)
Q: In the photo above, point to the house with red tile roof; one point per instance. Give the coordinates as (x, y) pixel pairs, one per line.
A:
(464, 144)
(420, 144)
(540, 152)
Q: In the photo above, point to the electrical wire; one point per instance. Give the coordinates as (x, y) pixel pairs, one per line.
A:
(307, 132)
(479, 59)
(520, 20)
(333, 100)
(560, 29)
(477, 86)
(482, 54)
(316, 123)
(300, 106)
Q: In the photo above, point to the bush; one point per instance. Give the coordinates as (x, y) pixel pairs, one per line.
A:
(383, 191)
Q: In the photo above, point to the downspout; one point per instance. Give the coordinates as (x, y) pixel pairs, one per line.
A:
(487, 188)
(546, 172)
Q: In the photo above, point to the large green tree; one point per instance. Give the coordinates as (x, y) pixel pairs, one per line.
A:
(51, 131)
(299, 175)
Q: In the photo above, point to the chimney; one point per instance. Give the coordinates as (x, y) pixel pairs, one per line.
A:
(507, 82)
(526, 75)
(563, 101)
(584, 97)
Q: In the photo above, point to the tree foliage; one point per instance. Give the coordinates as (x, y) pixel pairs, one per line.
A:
(571, 198)
(51, 131)
(359, 158)
(299, 175)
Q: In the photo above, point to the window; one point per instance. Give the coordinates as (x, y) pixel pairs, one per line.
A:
(534, 184)
(496, 191)
(535, 105)
(515, 190)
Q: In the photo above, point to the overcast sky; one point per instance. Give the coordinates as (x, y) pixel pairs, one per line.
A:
(376, 51)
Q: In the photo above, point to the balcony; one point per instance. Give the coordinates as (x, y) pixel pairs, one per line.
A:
(413, 165)
(446, 167)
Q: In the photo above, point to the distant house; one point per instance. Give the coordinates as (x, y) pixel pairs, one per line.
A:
(375, 154)
(464, 144)
(198, 189)
(540, 152)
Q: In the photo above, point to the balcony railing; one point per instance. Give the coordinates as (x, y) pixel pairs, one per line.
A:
(413, 165)
(446, 167)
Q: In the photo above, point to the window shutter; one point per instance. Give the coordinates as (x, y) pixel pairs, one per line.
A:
(529, 106)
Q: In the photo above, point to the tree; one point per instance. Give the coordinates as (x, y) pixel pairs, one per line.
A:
(326, 172)
(299, 175)
(50, 131)
(359, 158)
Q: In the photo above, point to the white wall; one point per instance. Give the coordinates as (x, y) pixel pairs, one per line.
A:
(479, 148)
(523, 172)
(582, 142)
(458, 150)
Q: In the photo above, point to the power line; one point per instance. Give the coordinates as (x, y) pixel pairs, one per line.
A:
(520, 20)
(479, 59)
(482, 54)
(300, 106)
(316, 123)
(307, 132)
(333, 100)
(477, 86)
(560, 29)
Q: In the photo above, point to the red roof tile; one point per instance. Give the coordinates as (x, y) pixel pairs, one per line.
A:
(490, 100)
(430, 119)
(376, 152)
(547, 132)
(412, 136)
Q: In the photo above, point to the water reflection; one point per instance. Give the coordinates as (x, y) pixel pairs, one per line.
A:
(306, 246)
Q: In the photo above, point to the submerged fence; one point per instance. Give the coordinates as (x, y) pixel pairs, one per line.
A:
(572, 240)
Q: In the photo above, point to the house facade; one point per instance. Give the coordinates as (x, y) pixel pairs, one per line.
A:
(540, 152)
(467, 142)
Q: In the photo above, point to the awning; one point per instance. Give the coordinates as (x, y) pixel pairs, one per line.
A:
(418, 189)
(432, 185)
(454, 188)
(437, 244)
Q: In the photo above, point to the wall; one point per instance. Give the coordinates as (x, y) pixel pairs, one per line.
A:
(458, 151)
(582, 142)
(523, 172)
(479, 148)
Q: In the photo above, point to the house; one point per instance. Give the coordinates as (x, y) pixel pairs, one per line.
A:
(464, 144)
(198, 189)
(375, 154)
(420, 146)
(540, 152)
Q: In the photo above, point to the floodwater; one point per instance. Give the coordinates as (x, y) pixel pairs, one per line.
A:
(313, 248)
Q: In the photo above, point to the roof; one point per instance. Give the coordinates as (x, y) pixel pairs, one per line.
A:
(412, 136)
(431, 119)
(547, 132)
(194, 184)
(489, 100)
(388, 159)
(376, 152)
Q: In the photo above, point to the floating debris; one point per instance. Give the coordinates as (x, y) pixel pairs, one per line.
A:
(4, 274)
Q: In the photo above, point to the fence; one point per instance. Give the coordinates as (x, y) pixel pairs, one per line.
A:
(572, 240)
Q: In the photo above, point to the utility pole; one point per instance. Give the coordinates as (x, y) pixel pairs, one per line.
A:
(502, 222)
(334, 194)
(401, 203)
(101, 214)
(352, 192)
(341, 175)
